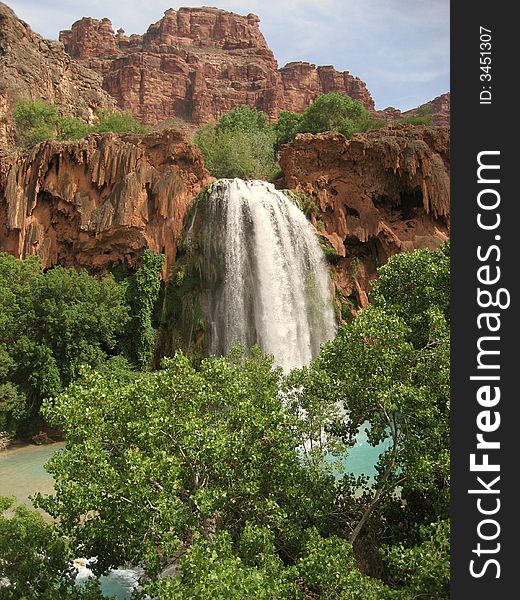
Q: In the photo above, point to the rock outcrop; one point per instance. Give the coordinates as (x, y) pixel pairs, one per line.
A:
(101, 201)
(380, 193)
(32, 67)
(439, 108)
(197, 63)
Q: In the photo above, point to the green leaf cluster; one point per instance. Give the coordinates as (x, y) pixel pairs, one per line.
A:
(241, 145)
(50, 324)
(329, 112)
(35, 561)
(38, 120)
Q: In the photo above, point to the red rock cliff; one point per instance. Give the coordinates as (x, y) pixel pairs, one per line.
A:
(377, 194)
(31, 67)
(100, 201)
(197, 63)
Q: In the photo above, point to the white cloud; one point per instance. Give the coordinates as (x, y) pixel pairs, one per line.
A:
(387, 43)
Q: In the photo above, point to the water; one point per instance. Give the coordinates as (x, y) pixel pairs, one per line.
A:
(267, 281)
(22, 474)
(361, 459)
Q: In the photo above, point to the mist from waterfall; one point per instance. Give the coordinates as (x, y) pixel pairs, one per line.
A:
(266, 279)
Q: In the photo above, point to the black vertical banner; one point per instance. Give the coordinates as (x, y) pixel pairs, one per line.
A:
(485, 319)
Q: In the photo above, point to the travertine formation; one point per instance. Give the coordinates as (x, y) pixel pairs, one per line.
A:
(380, 193)
(197, 63)
(31, 67)
(101, 201)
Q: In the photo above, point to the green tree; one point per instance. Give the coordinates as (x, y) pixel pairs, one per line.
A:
(423, 571)
(50, 324)
(334, 112)
(287, 126)
(115, 121)
(35, 560)
(71, 128)
(241, 144)
(178, 453)
(328, 569)
(142, 295)
(213, 569)
(244, 119)
(390, 369)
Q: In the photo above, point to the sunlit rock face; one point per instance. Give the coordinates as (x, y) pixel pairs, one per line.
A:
(195, 64)
(100, 201)
(382, 192)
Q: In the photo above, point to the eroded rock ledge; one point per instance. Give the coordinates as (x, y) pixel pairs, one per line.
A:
(101, 201)
(380, 193)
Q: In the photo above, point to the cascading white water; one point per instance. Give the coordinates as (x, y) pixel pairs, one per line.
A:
(267, 280)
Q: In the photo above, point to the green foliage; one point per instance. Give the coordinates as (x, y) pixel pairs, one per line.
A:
(180, 452)
(244, 119)
(329, 570)
(333, 112)
(244, 153)
(115, 121)
(288, 125)
(38, 120)
(50, 324)
(390, 368)
(70, 128)
(142, 294)
(423, 570)
(423, 116)
(35, 560)
(416, 120)
(329, 112)
(212, 569)
(413, 284)
(35, 121)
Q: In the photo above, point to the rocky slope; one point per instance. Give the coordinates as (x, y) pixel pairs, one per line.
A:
(438, 108)
(31, 67)
(380, 193)
(99, 202)
(197, 63)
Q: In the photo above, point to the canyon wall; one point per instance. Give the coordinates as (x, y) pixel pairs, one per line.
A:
(101, 201)
(196, 64)
(382, 192)
(32, 67)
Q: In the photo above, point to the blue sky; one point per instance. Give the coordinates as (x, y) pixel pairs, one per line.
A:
(400, 48)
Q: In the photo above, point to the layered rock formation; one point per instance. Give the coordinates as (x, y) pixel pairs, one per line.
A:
(380, 193)
(101, 201)
(197, 63)
(439, 108)
(31, 67)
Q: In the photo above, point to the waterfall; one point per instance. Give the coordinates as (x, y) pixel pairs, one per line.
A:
(265, 275)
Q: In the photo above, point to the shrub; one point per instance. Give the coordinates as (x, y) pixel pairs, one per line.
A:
(35, 121)
(287, 127)
(329, 112)
(114, 121)
(70, 128)
(241, 144)
(243, 118)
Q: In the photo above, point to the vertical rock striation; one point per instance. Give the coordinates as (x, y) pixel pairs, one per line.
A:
(197, 63)
(380, 193)
(32, 67)
(100, 201)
